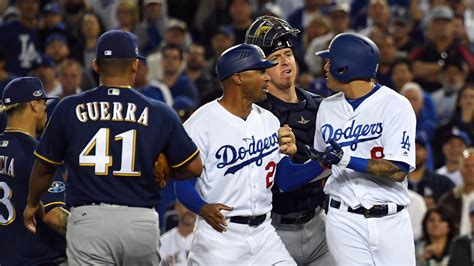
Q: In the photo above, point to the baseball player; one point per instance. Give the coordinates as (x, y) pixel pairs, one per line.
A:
(109, 138)
(298, 215)
(367, 133)
(176, 243)
(24, 101)
(240, 146)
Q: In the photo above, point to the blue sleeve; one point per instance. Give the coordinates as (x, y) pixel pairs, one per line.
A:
(187, 194)
(55, 196)
(290, 176)
(404, 166)
(52, 146)
(180, 148)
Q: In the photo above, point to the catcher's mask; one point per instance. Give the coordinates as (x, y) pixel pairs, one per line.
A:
(270, 34)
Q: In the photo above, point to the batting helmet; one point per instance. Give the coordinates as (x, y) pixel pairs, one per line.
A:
(352, 56)
(240, 58)
(270, 34)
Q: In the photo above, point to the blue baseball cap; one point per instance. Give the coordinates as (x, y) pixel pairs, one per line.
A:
(55, 37)
(52, 8)
(43, 60)
(117, 44)
(24, 89)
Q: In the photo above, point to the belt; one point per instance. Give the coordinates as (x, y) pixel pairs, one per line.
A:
(250, 220)
(301, 219)
(101, 203)
(376, 211)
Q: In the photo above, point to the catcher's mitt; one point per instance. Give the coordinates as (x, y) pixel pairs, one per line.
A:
(161, 170)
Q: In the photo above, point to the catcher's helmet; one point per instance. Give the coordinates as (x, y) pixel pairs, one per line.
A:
(270, 34)
(352, 56)
(240, 58)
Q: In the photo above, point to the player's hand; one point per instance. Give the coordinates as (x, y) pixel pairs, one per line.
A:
(213, 216)
(29, 216)
(332, 155)
(287, 140)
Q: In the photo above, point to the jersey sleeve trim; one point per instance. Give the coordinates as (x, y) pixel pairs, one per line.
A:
(54, 203)
(187, 159)
(46, 159)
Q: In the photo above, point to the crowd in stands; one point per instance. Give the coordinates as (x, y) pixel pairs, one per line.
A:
(427, 55)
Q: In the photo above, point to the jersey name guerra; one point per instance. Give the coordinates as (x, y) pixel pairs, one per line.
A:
(239, 157)
(382, 126)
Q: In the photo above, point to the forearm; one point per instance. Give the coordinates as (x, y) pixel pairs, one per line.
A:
(187, 194)
(41, 178)
(57, 219)
(189, 170)
(290, 176)
(381, 168)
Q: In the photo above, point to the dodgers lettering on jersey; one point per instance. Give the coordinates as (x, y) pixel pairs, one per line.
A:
(109, 139)
(239, 156)
(382, 126)
(18, 245)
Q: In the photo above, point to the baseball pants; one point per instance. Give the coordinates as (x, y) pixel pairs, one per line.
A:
(112, 235)
(356, 240)
(241, 244)
(306, 242)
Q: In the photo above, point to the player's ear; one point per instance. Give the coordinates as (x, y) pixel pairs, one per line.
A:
(95, 66)
(237, 79)
(135, 66)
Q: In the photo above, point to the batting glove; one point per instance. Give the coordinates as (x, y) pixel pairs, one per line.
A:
(332, 155)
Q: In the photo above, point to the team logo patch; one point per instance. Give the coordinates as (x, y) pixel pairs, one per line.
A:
(4, 143)
(37, 93)
(303, 121)
(108, 52)
(114, 92)
(57, 187)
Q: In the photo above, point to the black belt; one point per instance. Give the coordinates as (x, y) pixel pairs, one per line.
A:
(250, 220)
(303, 218)
(376, 211)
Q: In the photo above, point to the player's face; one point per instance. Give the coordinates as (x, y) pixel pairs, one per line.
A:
(42, 116)
(255, 84)
(282, 75)
(332, 83)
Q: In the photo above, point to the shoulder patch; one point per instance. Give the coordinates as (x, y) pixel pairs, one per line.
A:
(57, 187)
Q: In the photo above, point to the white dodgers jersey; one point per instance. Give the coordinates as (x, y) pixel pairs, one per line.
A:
(239, 157)
(174, 248)
(382, 126)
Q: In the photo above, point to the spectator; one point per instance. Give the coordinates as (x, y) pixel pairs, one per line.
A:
(460, 197)
(302, 16)
(198, 73)
(174, 77)
(241, 14)
(416, 210)
(464, 114)
(438, 232)
(378, 15)
(455, 143)
(45, 69)
(127, 15)
(153, 89)
(429, 59)
(176, 34)
(338, 23)
(401, 74)
(388, 56)
(74, 11)
(425, 118)
(461, 253)
(51, 19)
(20, 39)
(400, 29)
(105, 11)
(150, 31)
(5, 77)
(176, 243)
(222, 40)
(57, 48)
(453, 78)
(425, 182)
(69, 75)
(91, 29)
